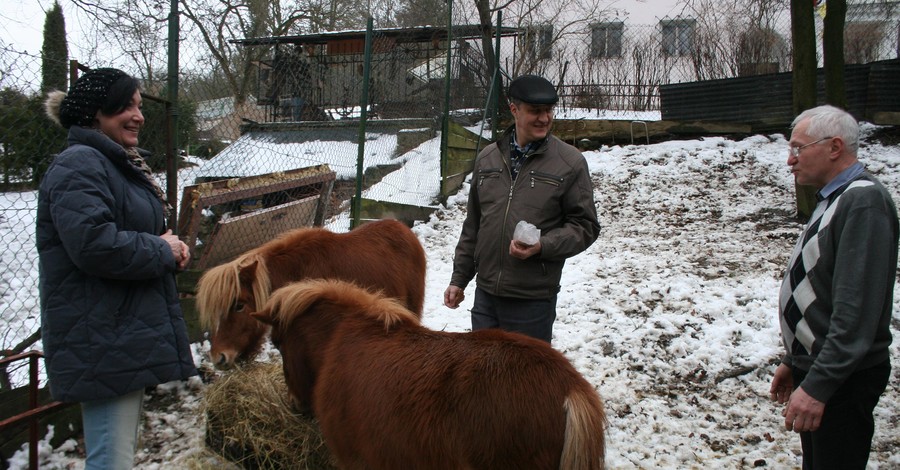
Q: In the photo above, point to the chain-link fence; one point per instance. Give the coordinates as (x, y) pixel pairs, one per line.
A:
(272, 134)
(27, 139)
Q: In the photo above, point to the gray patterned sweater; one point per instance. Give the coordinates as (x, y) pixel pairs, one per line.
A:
(836, 299)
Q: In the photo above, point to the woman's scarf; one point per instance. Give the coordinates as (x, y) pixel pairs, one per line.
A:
(135, 158)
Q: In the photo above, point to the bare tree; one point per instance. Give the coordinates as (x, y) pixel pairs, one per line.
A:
(486, 10)
(336, 15)
(862, 41)
(650, 70)
(552, 32)
(761, 50)
(804, 82)
(421, 13)
(216, 25)
(140, 29)
(136, 28)
(735, 35)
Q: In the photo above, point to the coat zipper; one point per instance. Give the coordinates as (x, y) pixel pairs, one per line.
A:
(512, 185)
(545, 178)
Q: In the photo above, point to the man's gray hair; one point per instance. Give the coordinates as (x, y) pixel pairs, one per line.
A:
(829, 121)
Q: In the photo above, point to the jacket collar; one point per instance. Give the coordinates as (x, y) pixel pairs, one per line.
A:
(110, 149)
(506, 145)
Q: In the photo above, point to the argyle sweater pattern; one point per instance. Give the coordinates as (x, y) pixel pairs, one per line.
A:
(836, 296)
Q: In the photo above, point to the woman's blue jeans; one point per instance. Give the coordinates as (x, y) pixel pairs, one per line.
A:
(111, 431)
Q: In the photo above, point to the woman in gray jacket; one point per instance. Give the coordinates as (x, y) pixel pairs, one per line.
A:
(111, 320)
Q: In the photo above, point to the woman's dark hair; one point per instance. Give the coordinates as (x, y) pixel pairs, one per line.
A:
(119, 96)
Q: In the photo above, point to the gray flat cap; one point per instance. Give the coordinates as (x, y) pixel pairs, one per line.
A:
(533, 89)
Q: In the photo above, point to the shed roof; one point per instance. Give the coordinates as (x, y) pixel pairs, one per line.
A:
(414, 34)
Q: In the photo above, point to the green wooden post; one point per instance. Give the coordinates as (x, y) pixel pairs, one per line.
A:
(445, 118)
(361, 139)
(172, 113)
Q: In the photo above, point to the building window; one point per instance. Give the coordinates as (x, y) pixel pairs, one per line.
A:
(539, 41)
(677, 36)
(606, 39)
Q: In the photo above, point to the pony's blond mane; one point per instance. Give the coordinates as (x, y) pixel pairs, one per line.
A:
(219, 287)
(292, 300)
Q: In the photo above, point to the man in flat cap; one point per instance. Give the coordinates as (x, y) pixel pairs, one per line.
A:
(527, 177)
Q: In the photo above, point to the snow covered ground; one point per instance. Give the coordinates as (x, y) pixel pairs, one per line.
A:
(671, 314)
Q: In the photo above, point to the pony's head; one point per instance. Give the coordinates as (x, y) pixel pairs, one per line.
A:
(329, 299)
(226, 295)
(304, 317)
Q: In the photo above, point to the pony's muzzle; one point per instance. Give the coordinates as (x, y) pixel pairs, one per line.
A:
(222, 360)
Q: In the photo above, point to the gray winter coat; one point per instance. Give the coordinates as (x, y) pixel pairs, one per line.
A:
(111, 318)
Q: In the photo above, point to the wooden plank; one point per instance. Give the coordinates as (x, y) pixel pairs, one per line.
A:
(463, 146)
(450, 184)
(371, 209)
(247, 188)
(459, 161)
(198, 197)
(700, 127)
(886, 118)
(460, 137)
(236, 235)
(573, 130)
(324, 200)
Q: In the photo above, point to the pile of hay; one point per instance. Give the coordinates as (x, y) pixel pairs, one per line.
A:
(249, 421)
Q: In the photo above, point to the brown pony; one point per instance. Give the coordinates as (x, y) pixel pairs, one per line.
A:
(384, 255)
(389, 393)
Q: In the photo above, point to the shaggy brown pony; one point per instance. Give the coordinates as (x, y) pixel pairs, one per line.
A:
(389, 393)
(384, 255)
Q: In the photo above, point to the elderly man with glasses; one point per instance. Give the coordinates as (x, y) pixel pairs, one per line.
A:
(836, 298)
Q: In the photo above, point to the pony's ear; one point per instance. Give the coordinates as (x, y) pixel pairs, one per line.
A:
(264, 316)
(247, 273)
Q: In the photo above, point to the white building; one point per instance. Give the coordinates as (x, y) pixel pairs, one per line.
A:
(609, 54)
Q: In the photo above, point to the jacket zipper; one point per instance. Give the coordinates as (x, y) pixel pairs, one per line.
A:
(488, 173)
(545, 178)
(512, 185)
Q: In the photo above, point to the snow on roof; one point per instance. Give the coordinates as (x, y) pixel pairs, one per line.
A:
(261, 152)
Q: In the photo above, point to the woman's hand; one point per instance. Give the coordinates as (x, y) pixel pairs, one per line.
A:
(179, 249)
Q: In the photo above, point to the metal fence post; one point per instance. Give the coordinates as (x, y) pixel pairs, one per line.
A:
(172, 118)
(445, 116)
(361, 147)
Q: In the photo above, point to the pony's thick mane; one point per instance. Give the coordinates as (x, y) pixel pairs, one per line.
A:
(219, 287)
(293, 299)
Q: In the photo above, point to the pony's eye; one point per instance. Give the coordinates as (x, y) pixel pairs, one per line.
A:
(238, 307)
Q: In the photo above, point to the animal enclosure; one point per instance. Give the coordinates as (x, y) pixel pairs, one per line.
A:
(221, 219)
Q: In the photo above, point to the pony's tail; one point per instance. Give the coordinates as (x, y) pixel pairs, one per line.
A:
(585, 439)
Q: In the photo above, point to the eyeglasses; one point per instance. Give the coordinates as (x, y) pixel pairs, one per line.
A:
(795, 151)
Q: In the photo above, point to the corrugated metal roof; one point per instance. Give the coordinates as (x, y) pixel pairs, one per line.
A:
(414, 34)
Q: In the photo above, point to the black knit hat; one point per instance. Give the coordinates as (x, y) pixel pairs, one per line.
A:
(533, 89)
(87, 96)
